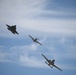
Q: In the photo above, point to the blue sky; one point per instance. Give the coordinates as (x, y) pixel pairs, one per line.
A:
(53, 22)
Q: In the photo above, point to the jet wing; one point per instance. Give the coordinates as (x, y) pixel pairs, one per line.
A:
(56, 67)
(8, 25)
(16, 32)
(31, 37)
(38, 42)
(44, 57)
(13, 32)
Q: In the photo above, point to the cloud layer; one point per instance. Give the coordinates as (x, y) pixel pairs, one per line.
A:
(32, 15)
(58, 48)
(52, 26)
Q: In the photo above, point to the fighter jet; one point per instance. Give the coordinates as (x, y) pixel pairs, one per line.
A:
(12, 28)
(51, 62)
(35, 39)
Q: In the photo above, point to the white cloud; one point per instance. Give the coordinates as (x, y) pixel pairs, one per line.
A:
(31, 61)
(26, 14)
(30, 55)
(19, 9)
(55, 26)
(23, 55)
(68, 67)
(2, 55)
(31, 47)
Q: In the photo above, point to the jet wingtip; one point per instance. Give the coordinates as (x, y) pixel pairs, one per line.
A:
(40, 44)
(41, 54)
(60, 69)
(17, 33)
(29, 35)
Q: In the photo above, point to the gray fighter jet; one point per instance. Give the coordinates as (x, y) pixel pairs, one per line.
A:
(12, 29)
(35, 39)
(51, 62)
